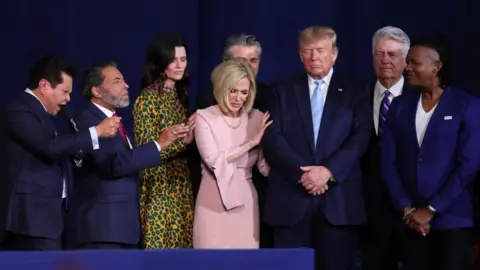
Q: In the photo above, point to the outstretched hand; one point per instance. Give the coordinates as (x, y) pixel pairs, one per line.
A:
(191, 125)
(264, 124)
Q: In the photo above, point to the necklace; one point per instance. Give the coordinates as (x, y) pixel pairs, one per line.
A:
(232, 126)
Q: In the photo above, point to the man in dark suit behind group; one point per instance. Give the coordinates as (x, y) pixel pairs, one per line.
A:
(248, 47)
(320, 130)
(107, 180)
(382, 244)
(38, 170)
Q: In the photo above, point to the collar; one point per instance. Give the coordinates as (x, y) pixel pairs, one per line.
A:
(106, 111)
(326, 79)
(395, 90)
(33, 94)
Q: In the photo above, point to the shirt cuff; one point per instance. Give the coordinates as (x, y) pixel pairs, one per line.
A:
(158, 146)
(94, 136)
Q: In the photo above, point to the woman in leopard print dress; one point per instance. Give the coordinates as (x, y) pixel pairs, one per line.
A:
(166, 201)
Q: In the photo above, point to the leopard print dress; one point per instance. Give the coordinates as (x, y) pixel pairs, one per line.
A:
(166, 200)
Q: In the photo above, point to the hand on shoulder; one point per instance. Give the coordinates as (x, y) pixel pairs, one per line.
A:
(265, 122)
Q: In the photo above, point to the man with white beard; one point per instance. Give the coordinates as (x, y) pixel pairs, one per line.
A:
(107, 188)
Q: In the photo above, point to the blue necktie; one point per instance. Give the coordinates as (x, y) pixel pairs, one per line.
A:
(384, 107)
(317, 109)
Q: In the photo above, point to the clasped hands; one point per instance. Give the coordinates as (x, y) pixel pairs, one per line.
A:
(418, 220)
(315, 179)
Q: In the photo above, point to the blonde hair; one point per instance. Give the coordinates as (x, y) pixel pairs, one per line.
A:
(314, 33)
(226, 75)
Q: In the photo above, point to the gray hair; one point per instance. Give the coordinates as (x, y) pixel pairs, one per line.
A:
(392, 33)
(241, 39)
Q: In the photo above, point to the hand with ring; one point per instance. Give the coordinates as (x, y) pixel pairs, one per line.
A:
(171, 134)
(191, 133)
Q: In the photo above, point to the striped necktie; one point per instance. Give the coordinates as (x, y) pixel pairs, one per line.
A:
(383, 112)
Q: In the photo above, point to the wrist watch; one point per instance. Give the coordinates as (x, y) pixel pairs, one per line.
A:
(431, 209)
(332, 182)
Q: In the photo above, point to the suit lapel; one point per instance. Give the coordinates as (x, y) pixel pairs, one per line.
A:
(407, 88)
(407, 113)
(37, 107)
(302, 96)
(118, 139)
(97, 112)
(374, 138)
(441, 110)
(334, 97)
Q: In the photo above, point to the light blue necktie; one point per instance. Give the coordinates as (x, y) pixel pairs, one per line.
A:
(317, 104)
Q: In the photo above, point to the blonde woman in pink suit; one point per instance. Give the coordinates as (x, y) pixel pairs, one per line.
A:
(227, 137)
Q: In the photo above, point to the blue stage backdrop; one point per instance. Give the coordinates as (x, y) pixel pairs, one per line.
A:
(91, 30)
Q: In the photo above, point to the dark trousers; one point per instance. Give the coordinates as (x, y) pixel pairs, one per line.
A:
(266, 235)
(266, 231)
(17, 242)
(334, 245)
(382, 245)
(103, 245)
(440, 250)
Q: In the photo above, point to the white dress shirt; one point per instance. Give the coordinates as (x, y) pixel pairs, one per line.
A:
(324, 88)
(379, 94)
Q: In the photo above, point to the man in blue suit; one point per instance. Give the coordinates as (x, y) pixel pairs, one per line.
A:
(106, 180)
(37, 166)
(314, 197)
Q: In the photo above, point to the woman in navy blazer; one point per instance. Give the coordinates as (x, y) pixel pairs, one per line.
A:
(430, 156)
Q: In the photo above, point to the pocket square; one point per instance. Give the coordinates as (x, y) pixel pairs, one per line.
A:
(449, 117)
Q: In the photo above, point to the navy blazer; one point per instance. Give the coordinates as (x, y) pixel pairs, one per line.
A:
(442, 170)
(36, 167)
(107, 187)
(288, 144)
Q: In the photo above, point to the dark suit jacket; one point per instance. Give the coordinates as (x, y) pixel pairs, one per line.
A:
(107, 186)
(376, 196)
(37, 163)
(288, 144)
(440, 172)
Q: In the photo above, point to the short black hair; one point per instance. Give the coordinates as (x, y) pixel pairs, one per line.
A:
(50, 68)
(94, 77)
(439, 43)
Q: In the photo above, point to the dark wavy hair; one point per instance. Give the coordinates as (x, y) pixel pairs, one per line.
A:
(161, 52)
(439, 43)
